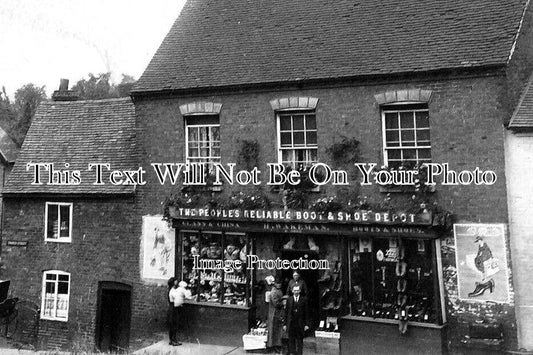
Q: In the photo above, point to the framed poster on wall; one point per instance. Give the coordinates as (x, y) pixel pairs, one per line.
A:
(481, 257)
(158, 246)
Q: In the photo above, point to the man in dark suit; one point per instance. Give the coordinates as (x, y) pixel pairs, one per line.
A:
(296, 320)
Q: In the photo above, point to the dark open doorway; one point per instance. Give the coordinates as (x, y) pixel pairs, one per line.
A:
(309, 276)
(113, 316)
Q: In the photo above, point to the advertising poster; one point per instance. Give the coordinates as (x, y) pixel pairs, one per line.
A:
(158, 248)
(481, 262)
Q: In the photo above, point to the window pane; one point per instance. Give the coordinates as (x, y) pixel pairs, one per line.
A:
(422, 135)
(65, 221)
(300, 156)
(215, 152)
(193, 153)
(50, 287)
(62, 306)
(298, 122)
(298, 138)
(424, 154)
(192, 134)
(63, 277)
(409, 154)
(392, 136)
(210, 288)
(422, 119)
(62, 287)
(391, 120)
(408, 138)
(286, 138)
(310, 122)
(51, 276)
(311, 137)
(285, 123)
(287, 155)
(53, 227)
(394, 154)
(215, 133)
(203, 134)
(204, 152)
(406, 120)
(312, 155)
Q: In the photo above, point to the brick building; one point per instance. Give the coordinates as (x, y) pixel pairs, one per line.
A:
(293, 83)
(76, 252)
(229, 70)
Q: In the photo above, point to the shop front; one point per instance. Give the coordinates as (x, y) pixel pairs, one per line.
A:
(369, 275)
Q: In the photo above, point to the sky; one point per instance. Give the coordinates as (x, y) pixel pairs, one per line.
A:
(42, 41)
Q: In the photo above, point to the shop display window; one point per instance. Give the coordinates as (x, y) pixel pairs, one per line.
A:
(214, 265)
(394, 278)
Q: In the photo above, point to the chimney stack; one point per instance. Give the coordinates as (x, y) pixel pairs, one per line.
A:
(64, 94)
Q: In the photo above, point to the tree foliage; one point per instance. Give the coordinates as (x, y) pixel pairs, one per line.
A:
(8, 116)
(16, 117)
(97, 87)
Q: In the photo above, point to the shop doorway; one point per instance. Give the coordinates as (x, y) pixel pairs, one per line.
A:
(113, 316)
(309, 276)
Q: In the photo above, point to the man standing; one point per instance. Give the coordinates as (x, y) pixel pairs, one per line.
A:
(177, 296)
(296, 320)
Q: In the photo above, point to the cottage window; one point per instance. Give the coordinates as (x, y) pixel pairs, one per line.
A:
(58, 222)
(297, 139)
(406, 135)
(203, 139)
(55, 295)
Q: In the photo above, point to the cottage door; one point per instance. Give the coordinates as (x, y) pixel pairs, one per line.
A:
(114, 313)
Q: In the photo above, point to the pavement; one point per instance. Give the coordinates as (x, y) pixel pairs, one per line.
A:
(163, 348)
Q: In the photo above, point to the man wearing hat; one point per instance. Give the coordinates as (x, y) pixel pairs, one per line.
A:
(177, 296)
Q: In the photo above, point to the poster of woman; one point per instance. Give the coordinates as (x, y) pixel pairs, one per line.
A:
(481, 258)
(158, 248)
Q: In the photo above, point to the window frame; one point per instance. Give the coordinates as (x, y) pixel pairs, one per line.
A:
(209, 125)
(59, 239)
(437, 285)
(397, 108)
(304, 147)
(249, 272)
(57, 273)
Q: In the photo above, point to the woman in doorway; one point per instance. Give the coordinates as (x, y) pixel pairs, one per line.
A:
(275, 320)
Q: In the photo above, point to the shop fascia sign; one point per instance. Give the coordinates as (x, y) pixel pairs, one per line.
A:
(307, 216)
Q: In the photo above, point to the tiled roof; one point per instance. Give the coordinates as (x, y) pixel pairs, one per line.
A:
(77, 133)
(8, 148)
(234, 42)
(523, 115)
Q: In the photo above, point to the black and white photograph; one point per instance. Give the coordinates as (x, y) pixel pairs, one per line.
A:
(235, 177)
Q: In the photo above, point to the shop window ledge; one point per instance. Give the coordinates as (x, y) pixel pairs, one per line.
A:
(393, 321)
(214, 304)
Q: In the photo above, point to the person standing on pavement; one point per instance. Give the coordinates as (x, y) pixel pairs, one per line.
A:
(177, 296)
(296, 320)
(275, 317)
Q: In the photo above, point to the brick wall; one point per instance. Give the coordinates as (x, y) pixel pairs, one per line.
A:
(466, 115)
(105, 247)
(465, 119)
